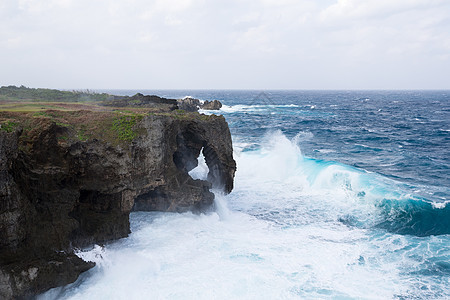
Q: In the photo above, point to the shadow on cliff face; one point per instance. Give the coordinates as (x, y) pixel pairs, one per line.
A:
(190, 146)
(188, 139)
(58, 193)
(182, 192)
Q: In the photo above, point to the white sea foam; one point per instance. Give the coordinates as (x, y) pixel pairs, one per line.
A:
(440, 205)
(185, 256)
(253, 108)
(201, 171)
(325, 150)
(303, 136)
(278, 235)
(97, 255)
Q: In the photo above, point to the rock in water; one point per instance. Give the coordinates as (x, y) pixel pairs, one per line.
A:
(189, 104)
(57, 193)
(212, 105)
(192, 104)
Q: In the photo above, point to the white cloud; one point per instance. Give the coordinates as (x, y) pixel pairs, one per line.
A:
(344, 9)
(225, 44)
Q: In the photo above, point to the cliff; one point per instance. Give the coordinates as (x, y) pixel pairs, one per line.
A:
(69, 178)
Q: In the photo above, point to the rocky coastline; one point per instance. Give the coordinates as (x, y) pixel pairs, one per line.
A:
(193, 104)
(61, 188)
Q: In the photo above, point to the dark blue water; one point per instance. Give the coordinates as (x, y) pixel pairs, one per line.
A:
(339, 195)
(403, 135)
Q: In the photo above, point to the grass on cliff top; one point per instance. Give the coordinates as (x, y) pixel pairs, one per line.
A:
(80, 121)
(22, 93)
(27, 106)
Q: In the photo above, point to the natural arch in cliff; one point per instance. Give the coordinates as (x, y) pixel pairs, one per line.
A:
(190, 144)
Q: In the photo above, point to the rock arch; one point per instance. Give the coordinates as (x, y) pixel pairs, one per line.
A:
(216, 148)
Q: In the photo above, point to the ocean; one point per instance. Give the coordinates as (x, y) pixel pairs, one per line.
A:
(338, 195)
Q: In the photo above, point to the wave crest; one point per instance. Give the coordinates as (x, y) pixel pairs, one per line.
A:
(353, 196)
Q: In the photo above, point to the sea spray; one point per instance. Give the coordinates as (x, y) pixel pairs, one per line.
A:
(318, 223)
(279, 240)
(359, 197)
(184, 256)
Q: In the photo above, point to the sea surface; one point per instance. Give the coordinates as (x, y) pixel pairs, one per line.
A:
(338, 195)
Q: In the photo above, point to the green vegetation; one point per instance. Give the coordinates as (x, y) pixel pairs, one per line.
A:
(82, 133)
(8, 126)
(135, 102)
(62, 124)
(41, 108)
(25, 106)
(117, 123)
(22, 93)
(123, 126)
(82, 122)
(42, 114)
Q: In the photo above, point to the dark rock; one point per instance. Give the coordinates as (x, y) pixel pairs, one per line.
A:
(58, 195)
(189, 104)
(140, 100)
(187, 137)
(192, 104)
(212, 105)
(31, 276)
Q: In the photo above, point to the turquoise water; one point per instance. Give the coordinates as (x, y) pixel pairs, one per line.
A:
(338, 195)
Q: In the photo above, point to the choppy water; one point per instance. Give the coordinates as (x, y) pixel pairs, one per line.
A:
(338, 195)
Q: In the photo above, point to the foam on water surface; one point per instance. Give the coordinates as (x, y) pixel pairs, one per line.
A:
(361, 214)
(287, 231)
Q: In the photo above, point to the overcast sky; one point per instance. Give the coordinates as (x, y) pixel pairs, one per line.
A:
(225, 44)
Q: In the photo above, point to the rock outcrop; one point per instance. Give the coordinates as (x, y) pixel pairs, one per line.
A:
(57, 194)
(192, 104)
(140, 100)
(212, 105)
(189, 104)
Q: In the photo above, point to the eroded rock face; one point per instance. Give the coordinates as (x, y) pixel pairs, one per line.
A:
(140, 100)
(188, 137)
(58, 195)
(189, 104)
(212, 105)
(30, 245)
(192, 104)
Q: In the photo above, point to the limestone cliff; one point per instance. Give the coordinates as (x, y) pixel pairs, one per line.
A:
(58, 192)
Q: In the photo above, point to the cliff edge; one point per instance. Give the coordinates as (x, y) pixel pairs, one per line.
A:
(70, 177)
